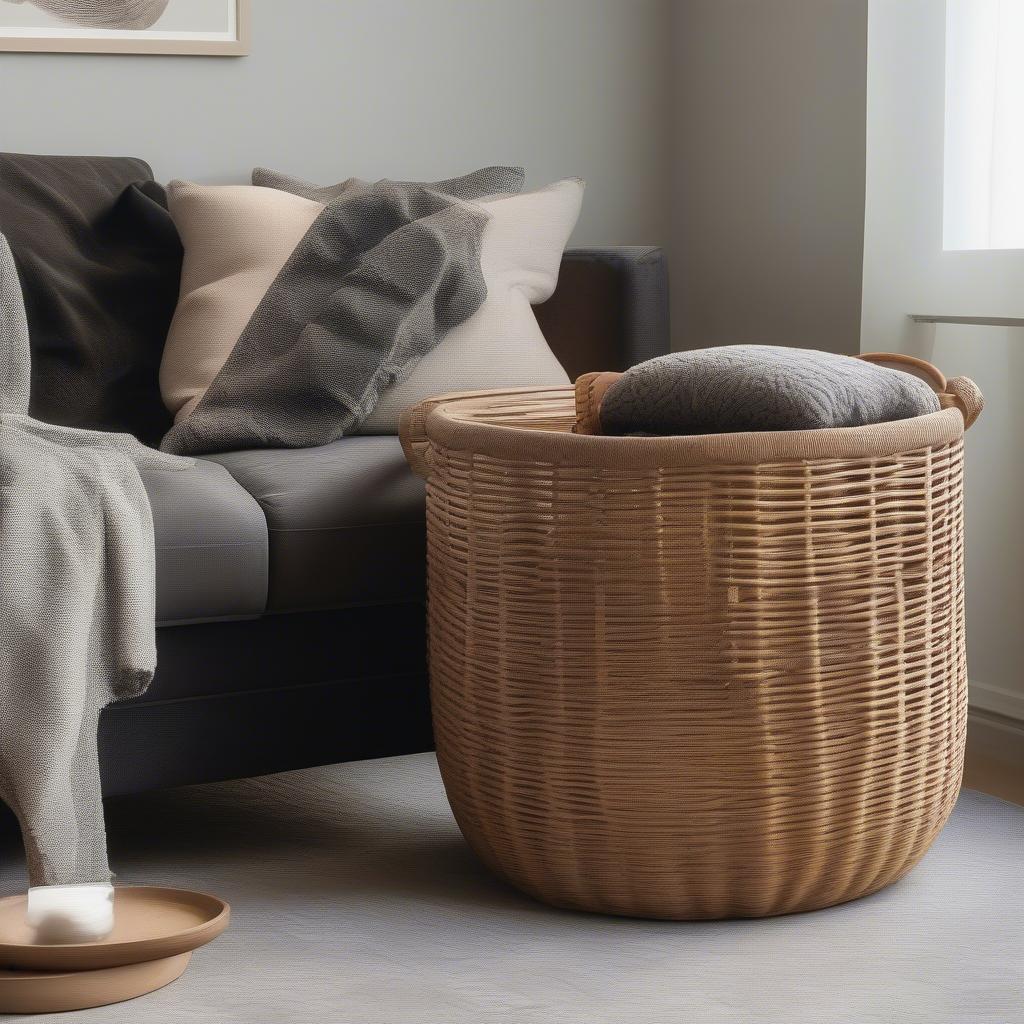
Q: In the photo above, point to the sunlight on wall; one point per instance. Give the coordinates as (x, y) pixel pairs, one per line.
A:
(983, 206)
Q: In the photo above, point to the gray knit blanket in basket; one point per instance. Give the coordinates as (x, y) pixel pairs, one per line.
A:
(77, 608)
(735, 388)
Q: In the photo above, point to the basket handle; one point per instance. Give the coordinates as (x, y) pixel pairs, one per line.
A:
(414, 440)
(966, 396)
(957, 393)
(590, 391)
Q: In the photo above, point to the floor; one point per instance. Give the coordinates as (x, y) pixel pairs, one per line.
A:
(356, 900)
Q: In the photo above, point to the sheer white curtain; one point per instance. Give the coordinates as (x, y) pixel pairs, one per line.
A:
(983, 195)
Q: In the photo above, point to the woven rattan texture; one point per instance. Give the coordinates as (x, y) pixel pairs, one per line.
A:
(698, 692)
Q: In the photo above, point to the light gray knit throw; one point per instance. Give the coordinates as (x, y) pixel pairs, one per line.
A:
(77, 608)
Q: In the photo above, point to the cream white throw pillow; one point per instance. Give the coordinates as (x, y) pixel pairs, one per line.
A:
(501, 345)
(237, 238)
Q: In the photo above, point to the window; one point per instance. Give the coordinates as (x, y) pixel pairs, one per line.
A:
(983, 194)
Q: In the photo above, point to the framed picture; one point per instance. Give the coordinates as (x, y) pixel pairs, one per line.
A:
(211, 27)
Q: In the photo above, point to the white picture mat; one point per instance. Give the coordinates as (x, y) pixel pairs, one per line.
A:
(207, 18)
(210, 26)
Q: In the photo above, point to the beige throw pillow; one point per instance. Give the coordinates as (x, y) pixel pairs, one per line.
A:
(236, 240)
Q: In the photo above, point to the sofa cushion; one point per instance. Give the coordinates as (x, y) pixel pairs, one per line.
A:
(99, 261)
(346, 522)
(237, 238)
(211, 546)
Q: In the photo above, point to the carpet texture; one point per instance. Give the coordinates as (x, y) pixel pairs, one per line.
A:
(356, 900)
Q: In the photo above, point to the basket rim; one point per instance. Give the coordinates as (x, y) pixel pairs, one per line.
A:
(443, 426)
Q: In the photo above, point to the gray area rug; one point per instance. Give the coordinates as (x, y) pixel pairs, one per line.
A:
(356, 900)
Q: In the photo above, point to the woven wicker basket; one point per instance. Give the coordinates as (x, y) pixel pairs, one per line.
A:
(694, 677)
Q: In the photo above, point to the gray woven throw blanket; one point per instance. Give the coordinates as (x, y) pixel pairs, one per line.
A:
(759, 387)
(77, 608)
(382, 275)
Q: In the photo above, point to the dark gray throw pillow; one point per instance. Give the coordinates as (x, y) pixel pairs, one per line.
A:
(759, 387)
(99, 262)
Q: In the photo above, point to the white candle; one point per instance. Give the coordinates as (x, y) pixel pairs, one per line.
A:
(61, 914)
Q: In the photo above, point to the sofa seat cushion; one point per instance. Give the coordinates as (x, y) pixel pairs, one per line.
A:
(211, 546)
(346, 522)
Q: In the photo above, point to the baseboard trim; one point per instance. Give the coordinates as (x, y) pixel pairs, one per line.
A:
(996, 700)
(995, 755)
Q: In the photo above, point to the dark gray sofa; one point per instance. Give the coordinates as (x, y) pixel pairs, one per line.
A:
(290, 583)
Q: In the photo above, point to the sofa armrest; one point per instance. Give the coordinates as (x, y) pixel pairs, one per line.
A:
(610, 310)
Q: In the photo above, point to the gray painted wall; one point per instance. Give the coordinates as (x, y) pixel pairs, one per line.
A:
(769, 172)
(376, 88)
(746, 118)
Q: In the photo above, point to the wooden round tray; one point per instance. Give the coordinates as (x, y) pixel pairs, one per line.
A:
(150, 923)
(60, 991)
